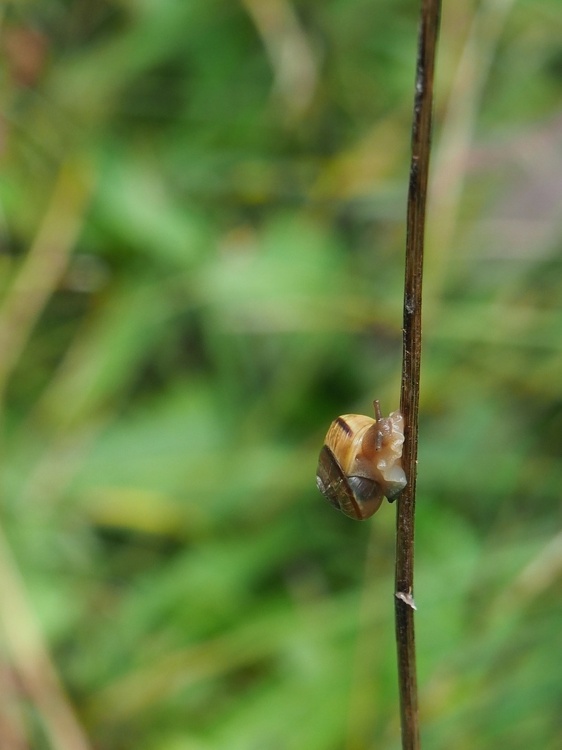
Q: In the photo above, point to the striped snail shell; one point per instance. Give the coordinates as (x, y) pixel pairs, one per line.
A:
(360, 462)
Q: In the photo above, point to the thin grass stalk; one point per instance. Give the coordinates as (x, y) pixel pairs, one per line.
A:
(411, 362)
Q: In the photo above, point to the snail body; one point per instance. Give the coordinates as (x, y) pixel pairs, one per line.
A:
(360, 462)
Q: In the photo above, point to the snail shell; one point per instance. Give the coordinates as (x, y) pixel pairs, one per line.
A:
(360, 462)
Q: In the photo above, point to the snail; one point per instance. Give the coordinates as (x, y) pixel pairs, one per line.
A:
(360, 462)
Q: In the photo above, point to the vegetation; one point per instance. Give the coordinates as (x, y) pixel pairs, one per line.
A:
(203, 211)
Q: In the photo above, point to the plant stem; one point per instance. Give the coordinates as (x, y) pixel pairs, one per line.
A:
(411, 359)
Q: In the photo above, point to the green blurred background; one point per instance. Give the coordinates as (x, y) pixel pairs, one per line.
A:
(202, 212)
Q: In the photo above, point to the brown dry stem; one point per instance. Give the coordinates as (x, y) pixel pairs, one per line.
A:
(409, 396)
